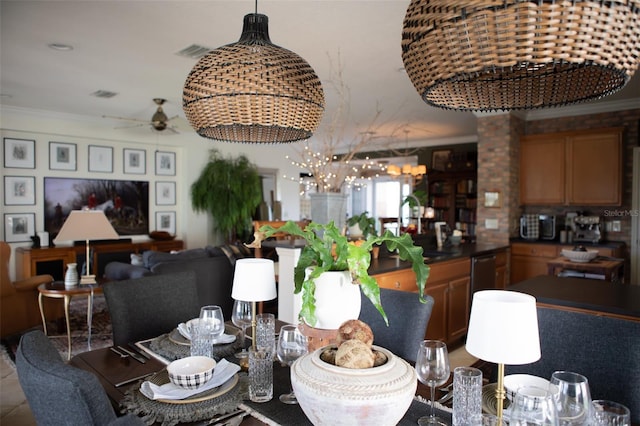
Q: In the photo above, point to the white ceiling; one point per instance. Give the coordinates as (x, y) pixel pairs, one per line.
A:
(130, 47)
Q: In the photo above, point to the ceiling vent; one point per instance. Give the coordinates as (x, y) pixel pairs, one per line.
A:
(104, 94)
(194, 51)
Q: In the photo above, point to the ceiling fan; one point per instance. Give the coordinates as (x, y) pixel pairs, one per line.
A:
(159, 121)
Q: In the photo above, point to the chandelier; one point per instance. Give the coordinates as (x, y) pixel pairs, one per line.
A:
(516, 54)
(253, 91)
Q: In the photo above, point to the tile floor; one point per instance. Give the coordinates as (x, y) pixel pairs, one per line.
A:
(14, 409)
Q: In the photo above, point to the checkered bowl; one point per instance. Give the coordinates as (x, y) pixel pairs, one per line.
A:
(191, 372)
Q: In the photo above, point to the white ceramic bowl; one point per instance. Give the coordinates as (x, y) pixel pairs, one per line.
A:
(513, 382)
(580, 256)
(191, 372)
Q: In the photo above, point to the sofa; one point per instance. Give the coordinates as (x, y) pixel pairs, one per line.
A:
(213, 267)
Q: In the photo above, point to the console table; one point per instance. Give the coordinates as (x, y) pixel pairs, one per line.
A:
(54, 260)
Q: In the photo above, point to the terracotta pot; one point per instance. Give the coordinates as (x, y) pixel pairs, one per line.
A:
(331, 395)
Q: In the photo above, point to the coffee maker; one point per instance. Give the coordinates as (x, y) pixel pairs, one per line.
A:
(587, 229)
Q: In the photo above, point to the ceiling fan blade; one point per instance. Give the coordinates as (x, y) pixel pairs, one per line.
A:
(125, 119)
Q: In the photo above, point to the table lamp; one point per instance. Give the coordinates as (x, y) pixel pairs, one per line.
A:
(86, 225)
(254, 280)
(503, 329)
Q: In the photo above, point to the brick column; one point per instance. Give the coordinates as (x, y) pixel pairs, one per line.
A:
(498, 170)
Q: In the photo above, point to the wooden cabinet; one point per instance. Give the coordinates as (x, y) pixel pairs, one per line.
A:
(529, 260)
(502, 269)
(572, 168)
(54, 260)
(449, 284)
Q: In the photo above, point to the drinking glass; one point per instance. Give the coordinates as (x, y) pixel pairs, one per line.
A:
(609, 413)
(573, 399)
(432, 367)
(292, 344)
(533, 406)
(212, 317)
(467, 395)
(241, 317)
(205, 331)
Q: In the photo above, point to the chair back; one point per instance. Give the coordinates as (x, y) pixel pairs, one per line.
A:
(60, 394)
(606, 350)
(147, 307)
(408, 320)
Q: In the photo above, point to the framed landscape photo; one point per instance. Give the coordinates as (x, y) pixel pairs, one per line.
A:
(165, 193)
(165, 163)
(135, 161)
(62, 156)
(19, 227)
(19, 190)
(100, 159)
(19, 153)
(166, 221)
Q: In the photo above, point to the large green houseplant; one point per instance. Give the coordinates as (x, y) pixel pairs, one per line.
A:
(230, 190)
(328, 250)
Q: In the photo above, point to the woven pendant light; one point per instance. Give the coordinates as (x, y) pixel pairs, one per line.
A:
(513, 54)
(253, 91)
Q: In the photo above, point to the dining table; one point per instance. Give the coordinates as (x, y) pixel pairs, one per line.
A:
(122, 376)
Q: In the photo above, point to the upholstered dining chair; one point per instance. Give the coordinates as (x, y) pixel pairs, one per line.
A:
(408, 320)
(58, 393)
(147, 307)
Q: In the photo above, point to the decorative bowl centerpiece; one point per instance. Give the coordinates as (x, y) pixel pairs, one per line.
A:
(191, 372)
(333, 395)
(580, 256)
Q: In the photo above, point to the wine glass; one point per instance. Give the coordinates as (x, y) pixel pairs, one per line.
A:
(292, 344)
(533, 406)
(211, 317)
(241, 317)
(573, 399)
(432, 367)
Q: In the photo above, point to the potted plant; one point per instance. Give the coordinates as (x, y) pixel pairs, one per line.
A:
(328, 250)
(230, 190)
(366, 225)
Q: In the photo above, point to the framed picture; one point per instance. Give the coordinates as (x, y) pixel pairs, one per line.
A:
(135, 161)
(62, 156)
(100, 159)
(165, 193)
(19, 153)
(19, 190)
(165, 163)
(166, 221)
(492, 199)
(439, 159)
(19, 227)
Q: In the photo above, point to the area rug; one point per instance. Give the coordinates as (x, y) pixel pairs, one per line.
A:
(101, 336)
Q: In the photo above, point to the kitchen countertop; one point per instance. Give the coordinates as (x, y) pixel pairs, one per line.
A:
(610, 244)
(579, 293)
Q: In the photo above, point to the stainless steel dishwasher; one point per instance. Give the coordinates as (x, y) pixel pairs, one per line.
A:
(483, 273)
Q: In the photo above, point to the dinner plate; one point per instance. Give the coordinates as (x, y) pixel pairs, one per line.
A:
(489, 400)
(163, 377)
(176, 337)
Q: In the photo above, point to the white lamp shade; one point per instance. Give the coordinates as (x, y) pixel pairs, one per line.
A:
(254, 280)
(503, 327)
(86, 225)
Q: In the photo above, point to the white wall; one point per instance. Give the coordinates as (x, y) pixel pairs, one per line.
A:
(191, 155)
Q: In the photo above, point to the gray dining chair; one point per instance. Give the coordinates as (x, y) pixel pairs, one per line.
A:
(58, 393)
(408, 320)
(147, 307)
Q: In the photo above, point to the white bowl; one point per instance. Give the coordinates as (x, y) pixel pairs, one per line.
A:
(513, 382)
(191, 372)
(580, 256)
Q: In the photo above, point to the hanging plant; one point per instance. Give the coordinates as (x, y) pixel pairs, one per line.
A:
(230, 190)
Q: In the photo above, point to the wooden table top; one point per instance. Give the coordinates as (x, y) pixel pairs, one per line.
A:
(59, 289)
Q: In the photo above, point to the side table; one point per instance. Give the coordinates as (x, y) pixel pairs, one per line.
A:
(58, 290)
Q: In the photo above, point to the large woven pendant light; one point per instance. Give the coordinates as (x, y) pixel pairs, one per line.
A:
(253, 91)
(514, 54)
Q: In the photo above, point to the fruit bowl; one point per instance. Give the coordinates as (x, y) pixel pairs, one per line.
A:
(580, 256)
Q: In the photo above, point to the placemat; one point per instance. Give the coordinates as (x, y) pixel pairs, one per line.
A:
(169, 350)
(172, 414)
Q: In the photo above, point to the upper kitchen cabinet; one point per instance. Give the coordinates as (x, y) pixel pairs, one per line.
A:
(582, 168)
